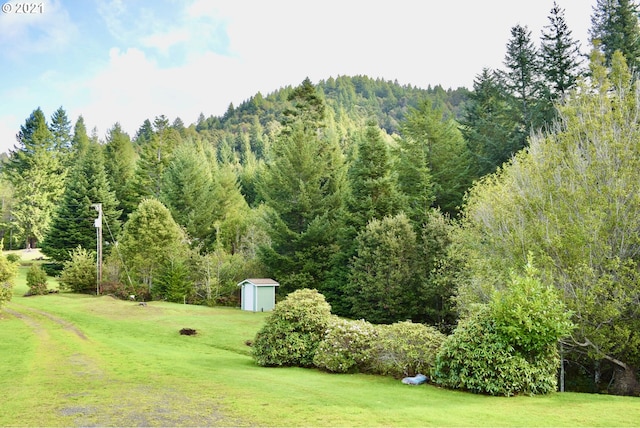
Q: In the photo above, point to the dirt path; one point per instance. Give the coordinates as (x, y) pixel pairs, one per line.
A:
(71, 353)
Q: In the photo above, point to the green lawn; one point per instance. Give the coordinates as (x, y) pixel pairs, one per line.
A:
(72, 360)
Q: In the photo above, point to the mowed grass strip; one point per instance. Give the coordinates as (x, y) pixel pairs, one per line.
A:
(133, 368)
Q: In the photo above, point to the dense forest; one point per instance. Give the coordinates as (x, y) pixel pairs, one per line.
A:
(395, 202)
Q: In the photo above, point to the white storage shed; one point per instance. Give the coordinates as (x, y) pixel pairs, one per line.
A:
(258, 294)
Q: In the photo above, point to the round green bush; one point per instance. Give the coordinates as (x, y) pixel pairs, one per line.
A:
(13, 257)
(346, 346)
(293, 331)
(405, 349)
(8, 272)
(79, 274)
(476, 358)
(36, 280)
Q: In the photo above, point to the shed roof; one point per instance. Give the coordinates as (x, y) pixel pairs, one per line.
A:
(258, 282)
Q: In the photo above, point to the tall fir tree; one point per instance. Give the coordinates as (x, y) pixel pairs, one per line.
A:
(489, 127)
(560, 54)
(80, 140)
(431, 141)
(187, 185)
(155, 155)
(615, 27)
(37, 177)
(73, 225)
(120, 163)
(523, 80)
(373, 194)
(303, 184)
(60, 128)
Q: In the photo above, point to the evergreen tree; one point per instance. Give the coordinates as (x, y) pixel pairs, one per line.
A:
(303, 185)
(73, 224)
(383, 286)
(60, 128)
(560, 54)
(155, 155)
(614, 27)
(488, 124)
(374, 192)
(144, 133)
(187, 186)
(432, 142)
(80, 140)
(150, 238)
(37, 177)
(523, 81)
(120, 164)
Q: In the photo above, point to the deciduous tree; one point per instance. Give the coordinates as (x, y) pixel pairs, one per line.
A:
(572, 200)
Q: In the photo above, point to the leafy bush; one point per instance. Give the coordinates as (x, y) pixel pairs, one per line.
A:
(13, 257)
(475, 358)
(79, 273)
(400, 349)
(346, 345)
(8, 271)
(508, 346)
(293, 330)
(530, 315)
(405, 349)
(36, 280)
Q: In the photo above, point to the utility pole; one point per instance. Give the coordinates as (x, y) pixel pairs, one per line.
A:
(98, 224)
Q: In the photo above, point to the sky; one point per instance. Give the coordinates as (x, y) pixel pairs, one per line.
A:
(129, 60)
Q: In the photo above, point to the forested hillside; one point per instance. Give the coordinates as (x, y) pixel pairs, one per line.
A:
(396, 203)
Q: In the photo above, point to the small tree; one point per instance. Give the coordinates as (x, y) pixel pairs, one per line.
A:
(36, 280)
(293, 331)
(150, 237)
(384, 286)
(79, 273)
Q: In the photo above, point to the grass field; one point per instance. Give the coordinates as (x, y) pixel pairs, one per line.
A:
(74, 360)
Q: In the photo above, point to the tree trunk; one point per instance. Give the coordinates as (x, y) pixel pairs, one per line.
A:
(625, 381)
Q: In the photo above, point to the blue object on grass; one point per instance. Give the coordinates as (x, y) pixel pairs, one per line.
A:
(415, 380)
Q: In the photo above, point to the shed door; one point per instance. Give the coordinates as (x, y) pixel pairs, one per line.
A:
(248, 297)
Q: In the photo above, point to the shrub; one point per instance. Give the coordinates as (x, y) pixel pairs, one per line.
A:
(8, 272)
(510, 345)
(79, 273)
(345, 346)
(13, 257)
(405, 349)
(36, 280)
(293, 330)
(475, 358)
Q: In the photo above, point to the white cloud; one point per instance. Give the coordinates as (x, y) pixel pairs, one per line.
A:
(133, 88)
(9, 127)
(24, 33)
(166, 40)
